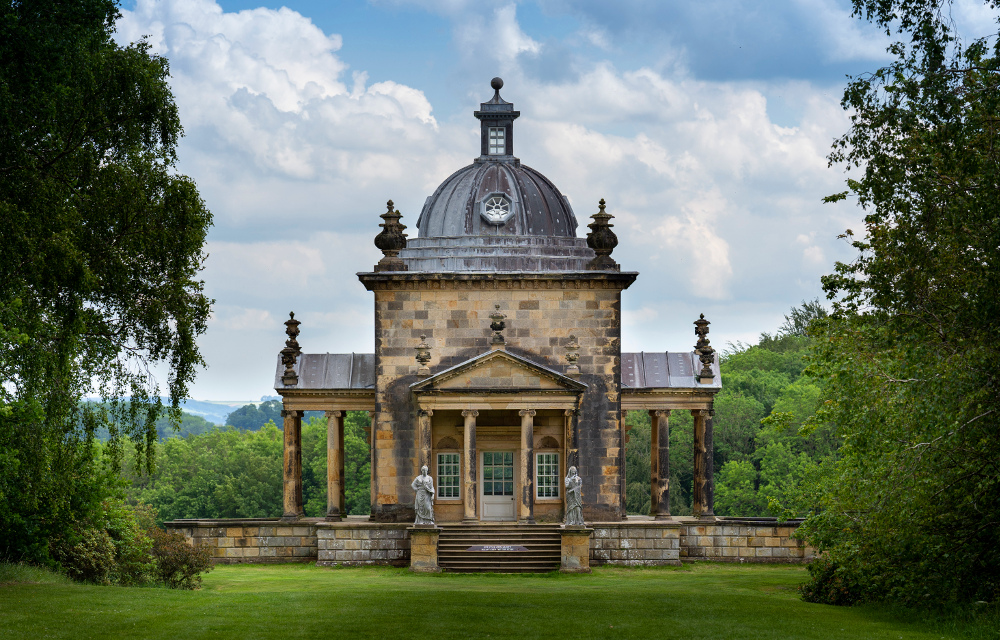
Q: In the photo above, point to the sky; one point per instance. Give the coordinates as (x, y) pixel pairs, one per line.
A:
(705, 126)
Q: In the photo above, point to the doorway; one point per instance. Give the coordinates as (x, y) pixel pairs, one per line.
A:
(497, 485)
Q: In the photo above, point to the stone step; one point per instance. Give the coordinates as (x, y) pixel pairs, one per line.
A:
(543, 548)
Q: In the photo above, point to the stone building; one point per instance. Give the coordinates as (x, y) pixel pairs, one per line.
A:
(498, 359)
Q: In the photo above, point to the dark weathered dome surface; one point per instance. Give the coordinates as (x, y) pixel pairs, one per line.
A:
(537, 208)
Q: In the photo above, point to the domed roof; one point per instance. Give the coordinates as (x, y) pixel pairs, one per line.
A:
(493, 198)
(496, 195)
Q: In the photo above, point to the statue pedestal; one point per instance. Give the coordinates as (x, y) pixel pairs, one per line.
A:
(575, 549)
(424, 548)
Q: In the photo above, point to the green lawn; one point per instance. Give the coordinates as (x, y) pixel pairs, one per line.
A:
(298, 601)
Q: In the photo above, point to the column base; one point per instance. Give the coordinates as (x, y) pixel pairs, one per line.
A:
(333, 518)
(292, 517)
(662, 516)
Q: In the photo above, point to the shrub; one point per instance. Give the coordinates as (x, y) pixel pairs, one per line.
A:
(178, 563)
(830, 583)
(87, 555)
(111, 547)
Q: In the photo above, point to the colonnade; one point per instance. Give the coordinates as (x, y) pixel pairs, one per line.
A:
(702, 490)
(292, 465)
(703, 494)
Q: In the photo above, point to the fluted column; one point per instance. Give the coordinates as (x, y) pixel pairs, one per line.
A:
(527, 503)
(292, 465)
(335, 499)
(659, 465)
(469, 464)
(700, 503)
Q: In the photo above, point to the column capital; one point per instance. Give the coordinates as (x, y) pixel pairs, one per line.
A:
(526, 412)
(333, 414)
(426, 412)
(699, 413)
(569, 412)
(661, 413)
(291, 413)
(470, 412)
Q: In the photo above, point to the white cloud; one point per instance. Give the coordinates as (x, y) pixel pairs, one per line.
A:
(716, 205)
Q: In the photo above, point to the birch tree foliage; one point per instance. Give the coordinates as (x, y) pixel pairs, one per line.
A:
(102, 242)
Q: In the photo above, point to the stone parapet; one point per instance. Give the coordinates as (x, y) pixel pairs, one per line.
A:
(743, 540)
(635, 543)
(234, 541)
(351, 544)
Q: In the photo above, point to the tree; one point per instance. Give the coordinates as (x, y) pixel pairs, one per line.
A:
(251, 417)
(911, 353)
(102, 244)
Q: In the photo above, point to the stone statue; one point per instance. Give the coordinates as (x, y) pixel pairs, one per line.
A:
(574, 499)
(424, 503)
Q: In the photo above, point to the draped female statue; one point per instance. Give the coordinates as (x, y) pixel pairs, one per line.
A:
(574, 498)
(424, 503)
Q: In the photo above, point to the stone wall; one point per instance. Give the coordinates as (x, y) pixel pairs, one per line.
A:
(355, 544)
(635, 544)
(735, 540)
(258, 541)
(358, 541)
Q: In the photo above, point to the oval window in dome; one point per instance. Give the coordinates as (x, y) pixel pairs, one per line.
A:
(497, 208)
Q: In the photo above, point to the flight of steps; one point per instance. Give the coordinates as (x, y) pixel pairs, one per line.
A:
(543, 543)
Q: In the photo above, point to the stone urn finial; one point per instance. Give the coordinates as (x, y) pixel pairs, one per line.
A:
(602, 240)
(498, 325)
(423, 357)
(391, 240)
(704, 350)
(291, 352)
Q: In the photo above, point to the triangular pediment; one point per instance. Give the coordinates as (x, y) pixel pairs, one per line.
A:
(499, 371)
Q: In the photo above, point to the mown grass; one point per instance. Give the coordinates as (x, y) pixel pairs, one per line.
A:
(303, 601)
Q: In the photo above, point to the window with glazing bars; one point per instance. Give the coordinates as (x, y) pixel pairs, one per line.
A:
(447, 476)
(498, 141)
(547, 475)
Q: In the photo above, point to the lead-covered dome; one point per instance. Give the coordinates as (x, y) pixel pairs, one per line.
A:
(496, 214)
(496, 197)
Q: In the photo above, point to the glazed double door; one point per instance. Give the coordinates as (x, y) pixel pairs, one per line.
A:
(496, 482)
